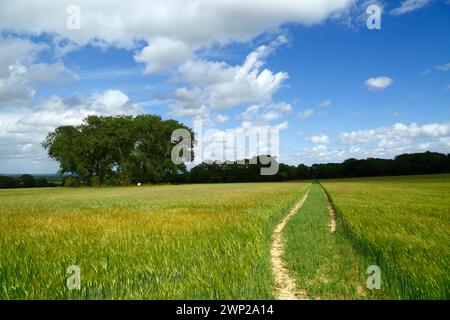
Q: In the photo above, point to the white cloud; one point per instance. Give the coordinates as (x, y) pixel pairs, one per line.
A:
(19, 87)
(383, 142)
(162, 54)
(218, 85)
(321, 149)
(306, 113)
(319, 139)
(23, 129)
(378, 83)
(14, 54)
(263, 113)
(270, 116)
(443, 67)
(19, 74)
(211, 86)
(282, 107)
(110, 102)
(14, 89)
(221, 118)
(325, 103)
(409, 6)
(251, 112)
(178, 111)
(397, 136)
(55, 73)
(17, 51)
(221, 145)
(191, 22)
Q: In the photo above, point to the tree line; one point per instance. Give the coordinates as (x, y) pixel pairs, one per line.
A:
(126, 150)
(405, 164)
(24, 181)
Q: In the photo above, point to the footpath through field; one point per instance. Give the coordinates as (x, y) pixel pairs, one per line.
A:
(316, 254)
(284, 283)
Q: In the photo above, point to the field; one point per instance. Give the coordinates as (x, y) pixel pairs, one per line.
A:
(163, 242)
(324, 264)
(214, 241)
(401, 224)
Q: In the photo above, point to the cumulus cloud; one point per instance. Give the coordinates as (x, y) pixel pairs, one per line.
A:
(306, 113)
(218, 85)
(409, 6)
(397, 135)
(221, 118)
(14, 86)
(231, 145)
(319, 139)
(162, 54)
(19, 86)
(270, 116)
(20, 74)
(264, 113)
(383, 142)
(282, 107)
(191, 22)
(17, 51)
(210, 86)
(379, 83)
(14, 89)
(23, 129)
(323, 153)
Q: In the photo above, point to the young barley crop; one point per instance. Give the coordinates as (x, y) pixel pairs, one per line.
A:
(164, 242)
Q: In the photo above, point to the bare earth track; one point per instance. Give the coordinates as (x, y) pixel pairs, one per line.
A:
(284, 285)
(332, 212)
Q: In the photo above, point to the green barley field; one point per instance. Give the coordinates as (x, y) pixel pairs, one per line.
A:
(161, 242)
(401, 224)
(213, 241)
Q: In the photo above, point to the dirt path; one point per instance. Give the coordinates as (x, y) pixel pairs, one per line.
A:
(284, 285)
(332, 212)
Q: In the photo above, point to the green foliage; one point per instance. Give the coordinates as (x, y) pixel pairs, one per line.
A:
(71, 182)
(42, 182)
(245, 172)
(26, 181)
(7, 182)
(95, 181)
(131, 149)
(406, 164)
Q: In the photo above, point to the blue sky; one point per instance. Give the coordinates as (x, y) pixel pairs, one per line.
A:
(335, 88)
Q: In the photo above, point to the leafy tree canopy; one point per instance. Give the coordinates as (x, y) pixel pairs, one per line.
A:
(117, 150)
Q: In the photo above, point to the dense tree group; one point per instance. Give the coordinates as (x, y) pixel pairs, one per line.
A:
(405, 164)
(24, 181)
(117, 150)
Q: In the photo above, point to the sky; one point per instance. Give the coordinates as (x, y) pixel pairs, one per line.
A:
(312, 69)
